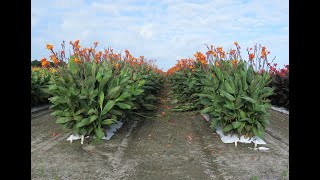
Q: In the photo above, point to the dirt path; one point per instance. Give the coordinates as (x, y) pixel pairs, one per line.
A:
(183, 147)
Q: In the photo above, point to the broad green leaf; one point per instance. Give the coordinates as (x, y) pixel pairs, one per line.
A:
(84, 122)
(62, 120)
(123, 105)
(207, 95)
(229, 106)
(80, 111)
(105, 78)
(265, 122)
(137, 92)
(227, 128)
(240, 128)
(72, 66)
(266, 90)
(116, 112)
(83, 97)
(124, 80)
(257, 132)
(229, 86)
(108, 121)
(113, 92)
(94, 69)
(99, 76)
(205, 101)
(78, 117)
(213, 123)
(92, 118)
(89, 129)
(141, 83)
(260, 108)
(246, 119)
(91, 111)
(236, 124)
(218, 72)
(123, 96)
(207, 110)
(108, 106)
(101, 98)
(249, 99)
(82, 131)
(227, 95)
(99, 133)
(57, 113)
(242, 114)
(259, 126)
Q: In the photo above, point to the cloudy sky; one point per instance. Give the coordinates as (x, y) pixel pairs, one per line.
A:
(165, 30)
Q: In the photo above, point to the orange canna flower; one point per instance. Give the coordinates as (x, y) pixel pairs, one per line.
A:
(49, 46)
(44, 62)
(263, 54)
(217, 63)
(118, 66)
(43, 59)
(55, 60)
(232, 51)
(222, 54)
(98, 55)
(76, 60)
(234, 62)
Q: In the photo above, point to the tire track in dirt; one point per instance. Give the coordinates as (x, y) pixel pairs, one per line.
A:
(121, 167)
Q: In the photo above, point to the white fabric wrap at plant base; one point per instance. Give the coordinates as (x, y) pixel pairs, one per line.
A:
(280, 109)
(235, 138)
(110, 132)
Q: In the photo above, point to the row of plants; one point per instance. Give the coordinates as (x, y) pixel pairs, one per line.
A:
(39, 80)
(280, 83)
(92, 90)
(186, 82)
(234, 92)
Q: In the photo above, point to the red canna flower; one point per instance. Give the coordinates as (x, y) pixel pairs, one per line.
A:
(251, 56)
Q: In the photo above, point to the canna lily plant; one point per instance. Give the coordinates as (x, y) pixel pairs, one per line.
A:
(93, 90)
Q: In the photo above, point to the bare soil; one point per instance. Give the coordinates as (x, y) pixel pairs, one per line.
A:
(182, 146)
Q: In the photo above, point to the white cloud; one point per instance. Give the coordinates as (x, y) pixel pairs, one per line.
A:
(146, 31)
(164, 29)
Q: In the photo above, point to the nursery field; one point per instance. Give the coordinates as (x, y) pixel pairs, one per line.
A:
(183, 147)
(156, 119)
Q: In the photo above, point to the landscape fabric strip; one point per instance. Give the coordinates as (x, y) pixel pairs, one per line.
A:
(228, 138)
(110, 132)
